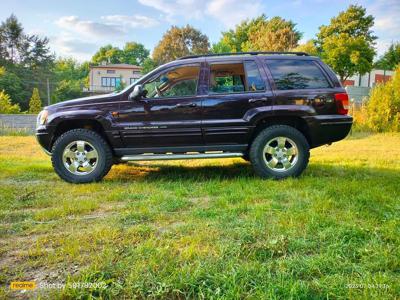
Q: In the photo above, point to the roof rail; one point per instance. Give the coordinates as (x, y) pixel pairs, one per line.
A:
(246, 53)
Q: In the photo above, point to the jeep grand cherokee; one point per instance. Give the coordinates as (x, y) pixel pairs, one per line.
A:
(268, 107)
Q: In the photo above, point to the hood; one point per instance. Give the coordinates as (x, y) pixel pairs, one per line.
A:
(83, 101)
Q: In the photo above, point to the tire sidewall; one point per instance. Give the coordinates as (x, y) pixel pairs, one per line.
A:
(257, 151)
(66, 139)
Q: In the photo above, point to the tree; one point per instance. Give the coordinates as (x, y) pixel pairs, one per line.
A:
(384, 105)
(108, 54)
(148, 65)
(35, 104)
(276, 34)
(308, 47)
(67, 90)
(18, 47)
(12, 86)
(178, 42)
(348, 56)
(6, 107)
(259, 34)
(347, 43)
(27, 59)
(133, 53)
(390, 59)
(221, 47)
(234, 39)
(70, 77)
(12, 39)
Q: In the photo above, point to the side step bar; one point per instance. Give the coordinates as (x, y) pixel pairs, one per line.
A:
(144, 157)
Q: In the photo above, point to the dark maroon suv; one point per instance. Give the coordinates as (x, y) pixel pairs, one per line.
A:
(269, 108)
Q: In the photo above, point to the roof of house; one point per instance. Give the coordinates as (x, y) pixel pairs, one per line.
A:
(118, 66)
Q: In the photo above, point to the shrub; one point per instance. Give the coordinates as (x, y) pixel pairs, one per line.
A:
(6, 107)
(35, 104)
(384, 105)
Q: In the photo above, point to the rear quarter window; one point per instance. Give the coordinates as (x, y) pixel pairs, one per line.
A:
(289, 74)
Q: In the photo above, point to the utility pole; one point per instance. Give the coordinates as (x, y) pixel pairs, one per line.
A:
(48, 91)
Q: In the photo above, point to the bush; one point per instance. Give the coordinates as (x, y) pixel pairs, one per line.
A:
(6, 107)
(35, 104)
(383, 108)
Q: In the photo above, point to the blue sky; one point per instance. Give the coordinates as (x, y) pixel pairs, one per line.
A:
(77, 28)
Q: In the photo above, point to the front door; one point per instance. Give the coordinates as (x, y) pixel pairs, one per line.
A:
(170, 113)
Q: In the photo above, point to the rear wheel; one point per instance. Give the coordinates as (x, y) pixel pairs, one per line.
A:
(279, 151)
(81, 156)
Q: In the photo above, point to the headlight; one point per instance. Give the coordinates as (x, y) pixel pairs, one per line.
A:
(42, 117)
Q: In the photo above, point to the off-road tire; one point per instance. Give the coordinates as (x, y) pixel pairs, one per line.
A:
(105, 157)
(259, 143)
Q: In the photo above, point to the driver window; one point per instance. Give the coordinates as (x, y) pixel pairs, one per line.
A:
(178, 82)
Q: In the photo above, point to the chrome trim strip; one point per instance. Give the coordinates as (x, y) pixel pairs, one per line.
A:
(144, 157)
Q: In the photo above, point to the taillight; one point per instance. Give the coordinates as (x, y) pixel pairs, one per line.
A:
(342, 103)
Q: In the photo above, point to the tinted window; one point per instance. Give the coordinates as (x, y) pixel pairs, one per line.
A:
(227, 78)
(178, 82)
(254, 80)
(235, 78)
(296, 74)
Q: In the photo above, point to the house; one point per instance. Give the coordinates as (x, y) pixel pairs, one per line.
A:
(359, 86)
(369, 79)
(106, 78)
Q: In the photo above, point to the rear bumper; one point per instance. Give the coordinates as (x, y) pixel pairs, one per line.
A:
(326, 129)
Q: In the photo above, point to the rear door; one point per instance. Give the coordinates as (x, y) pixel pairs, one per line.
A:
(301, 82)
(235, 89)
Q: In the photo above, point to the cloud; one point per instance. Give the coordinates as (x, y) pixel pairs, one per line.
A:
(89, 28)
(186, 8)
(387, 23)
(135, 21)
(81, 38)
(229, 12)
(67, 45)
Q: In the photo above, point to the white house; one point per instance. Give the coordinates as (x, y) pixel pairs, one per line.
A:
(108, 77)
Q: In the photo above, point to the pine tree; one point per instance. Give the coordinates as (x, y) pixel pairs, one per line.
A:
(6, 107)
(35, 104)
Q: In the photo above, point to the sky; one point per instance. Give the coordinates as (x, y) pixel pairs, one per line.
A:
(77, 28)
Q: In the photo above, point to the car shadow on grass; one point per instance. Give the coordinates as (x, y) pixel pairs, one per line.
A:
(242, 170)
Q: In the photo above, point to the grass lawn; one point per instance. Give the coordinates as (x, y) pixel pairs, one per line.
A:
(207, 228)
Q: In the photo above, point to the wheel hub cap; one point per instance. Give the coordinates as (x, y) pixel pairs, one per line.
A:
(280, 154)
(80, 158)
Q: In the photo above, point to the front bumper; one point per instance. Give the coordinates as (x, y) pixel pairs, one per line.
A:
(326, 129)
(44, 138)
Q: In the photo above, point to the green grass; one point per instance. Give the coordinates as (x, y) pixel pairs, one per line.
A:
(205, 229)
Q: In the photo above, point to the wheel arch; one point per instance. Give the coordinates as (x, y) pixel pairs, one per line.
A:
(65, 125)
(294, 121)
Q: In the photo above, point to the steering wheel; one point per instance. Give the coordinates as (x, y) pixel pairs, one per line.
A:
(158, 91)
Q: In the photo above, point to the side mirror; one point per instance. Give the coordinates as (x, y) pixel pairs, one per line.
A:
(137, 92)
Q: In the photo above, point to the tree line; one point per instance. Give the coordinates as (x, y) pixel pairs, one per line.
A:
(347, 44)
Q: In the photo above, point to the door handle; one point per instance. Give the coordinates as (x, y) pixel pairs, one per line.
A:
(254, 100)
(191, 104)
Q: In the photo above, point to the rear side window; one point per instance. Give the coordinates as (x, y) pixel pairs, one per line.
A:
(291, 74)
(228, 78)
(254, 79)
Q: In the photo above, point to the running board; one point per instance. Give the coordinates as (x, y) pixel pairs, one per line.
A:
(143, 157)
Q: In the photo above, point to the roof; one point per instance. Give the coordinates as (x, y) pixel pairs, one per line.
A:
(245, 53)
(118, 66)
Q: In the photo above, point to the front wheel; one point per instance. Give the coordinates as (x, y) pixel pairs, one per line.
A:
(279, 151)
(81, 156)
